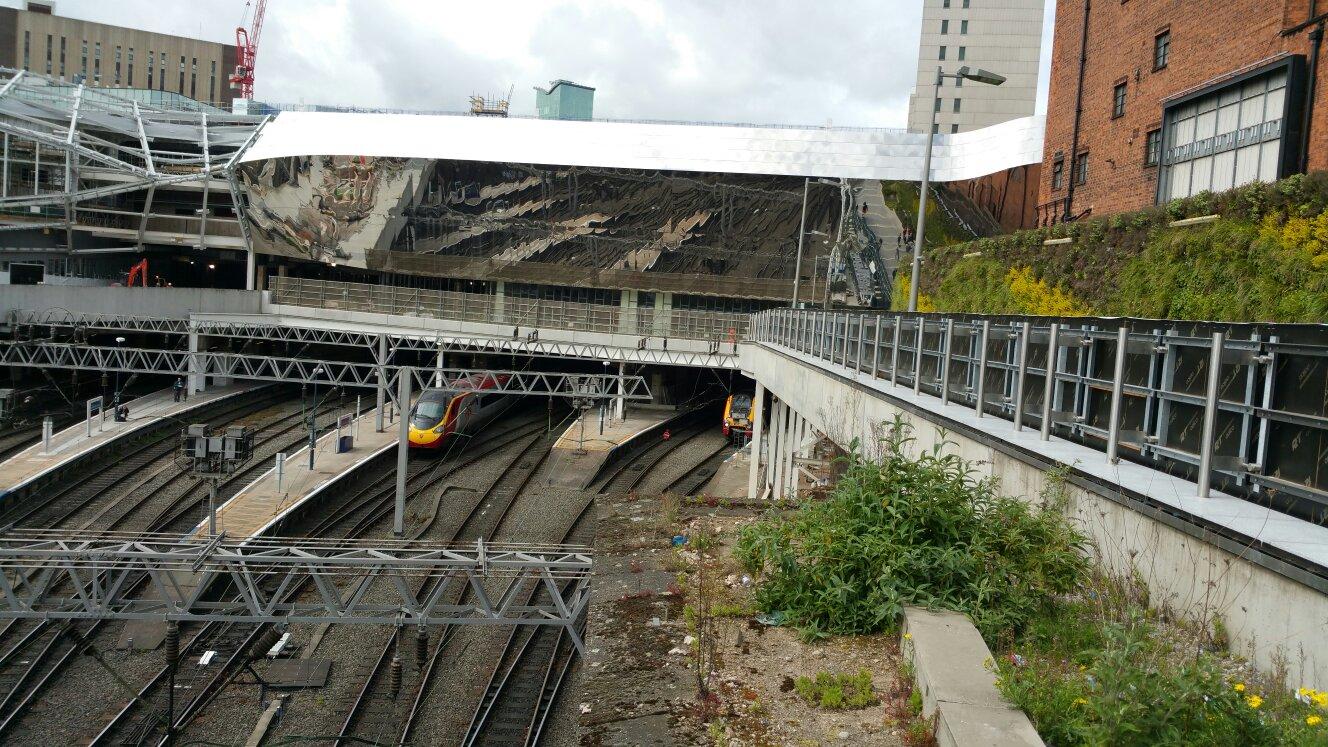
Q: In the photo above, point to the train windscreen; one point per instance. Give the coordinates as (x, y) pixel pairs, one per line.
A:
(742, 406)
(429, 410)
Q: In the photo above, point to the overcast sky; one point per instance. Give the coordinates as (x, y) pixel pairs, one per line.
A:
(850, 62)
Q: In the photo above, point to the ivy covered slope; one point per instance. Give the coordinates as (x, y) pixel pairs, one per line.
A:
(1264, 259)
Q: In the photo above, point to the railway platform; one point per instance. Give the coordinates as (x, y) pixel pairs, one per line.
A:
(583, 448)
(74, 443)
(263, 504)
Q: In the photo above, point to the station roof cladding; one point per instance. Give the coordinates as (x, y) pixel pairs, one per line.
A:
(772, 150)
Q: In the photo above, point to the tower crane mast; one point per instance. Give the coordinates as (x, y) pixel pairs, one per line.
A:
(246, 50)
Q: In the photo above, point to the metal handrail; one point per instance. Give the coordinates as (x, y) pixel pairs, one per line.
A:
(511, 311)
(1222, 410)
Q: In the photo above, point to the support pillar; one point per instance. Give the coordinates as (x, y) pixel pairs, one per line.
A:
(381, 356)
(758, 422)
(194, 381)
(627, 312)
(780, 444)
(792, 427)
(439, 364)
(499, 302)
(403, 451)
(620, 406)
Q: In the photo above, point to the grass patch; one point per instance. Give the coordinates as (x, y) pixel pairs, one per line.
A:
(836, 691)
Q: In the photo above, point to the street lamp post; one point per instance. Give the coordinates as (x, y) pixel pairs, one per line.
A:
(979, 76)
(802, 230)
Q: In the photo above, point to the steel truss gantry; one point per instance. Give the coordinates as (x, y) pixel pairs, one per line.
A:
(71, 575)
(304, 332)
(42, 354)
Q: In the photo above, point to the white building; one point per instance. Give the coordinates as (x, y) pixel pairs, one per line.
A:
(1003, 36)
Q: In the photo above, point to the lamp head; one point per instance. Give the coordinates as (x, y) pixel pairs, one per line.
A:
(981, 76)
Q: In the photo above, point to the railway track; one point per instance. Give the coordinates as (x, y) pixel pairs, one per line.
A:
(374, 712)
(526, 679)
(48, 645)
(138, 722)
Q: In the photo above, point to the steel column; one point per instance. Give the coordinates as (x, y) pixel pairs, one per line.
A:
(403, 452)
(758, 423)
(1210, 415)
(1049, 382)
(1117, 389)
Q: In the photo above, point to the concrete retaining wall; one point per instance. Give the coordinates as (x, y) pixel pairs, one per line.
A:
(153, 302)
(1271, 610)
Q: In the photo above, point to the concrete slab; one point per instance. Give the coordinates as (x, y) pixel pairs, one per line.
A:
(74, 442)
(950, 658)
(260, 505)
(951, 671)
(964, 725)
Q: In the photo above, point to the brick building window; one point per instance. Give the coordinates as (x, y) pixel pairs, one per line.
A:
(49, 44)
(117, 65)
(963, 52)
(938, 104)
(945, 27)
(965, 3)
(954, 129)
(1161, 49)
(956, 106)
(963, 27)
(62, 57)
(1058, 174)
(1153, 148)
(1081, 169)
(151, 55)
(96, 63)
(27, 50)
(129, 78)
(942, 52)
(1118, 100)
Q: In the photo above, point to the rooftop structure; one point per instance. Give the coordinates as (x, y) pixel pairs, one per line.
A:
(1004, 36)
(565, 100)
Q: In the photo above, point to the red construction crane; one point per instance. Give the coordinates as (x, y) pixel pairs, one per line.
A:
(246, 50)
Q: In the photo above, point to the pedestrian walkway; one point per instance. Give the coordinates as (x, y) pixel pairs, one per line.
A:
(880, 218)
(263, 503)
(76, 441)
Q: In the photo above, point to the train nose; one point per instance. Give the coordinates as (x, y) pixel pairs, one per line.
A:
(425, 438)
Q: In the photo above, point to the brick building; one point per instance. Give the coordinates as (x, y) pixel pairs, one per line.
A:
(1179, 96)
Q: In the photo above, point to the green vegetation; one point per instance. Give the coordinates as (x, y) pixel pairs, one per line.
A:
(902, 198)
(1095, 673)
(1264, 259)
(912, 531)
(837, 691)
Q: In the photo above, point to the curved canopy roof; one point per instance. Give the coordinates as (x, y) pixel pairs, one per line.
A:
(806, 151)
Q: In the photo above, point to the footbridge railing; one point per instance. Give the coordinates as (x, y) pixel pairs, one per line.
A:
(716, 327)
(1240, 407)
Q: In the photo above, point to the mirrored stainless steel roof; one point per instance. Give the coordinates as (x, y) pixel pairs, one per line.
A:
(850, 153)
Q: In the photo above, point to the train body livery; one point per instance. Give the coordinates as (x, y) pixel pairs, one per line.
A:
(439, 415)
(738, 416)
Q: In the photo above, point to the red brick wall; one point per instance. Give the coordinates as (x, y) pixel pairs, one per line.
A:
(1208, 40)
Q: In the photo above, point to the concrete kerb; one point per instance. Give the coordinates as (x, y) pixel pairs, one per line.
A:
(952, 670)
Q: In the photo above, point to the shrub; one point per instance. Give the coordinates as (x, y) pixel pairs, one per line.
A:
(836, 692)
(911, 531)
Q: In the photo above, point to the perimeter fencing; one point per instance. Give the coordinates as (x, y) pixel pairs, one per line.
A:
(1238, 407)
(715, 327)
